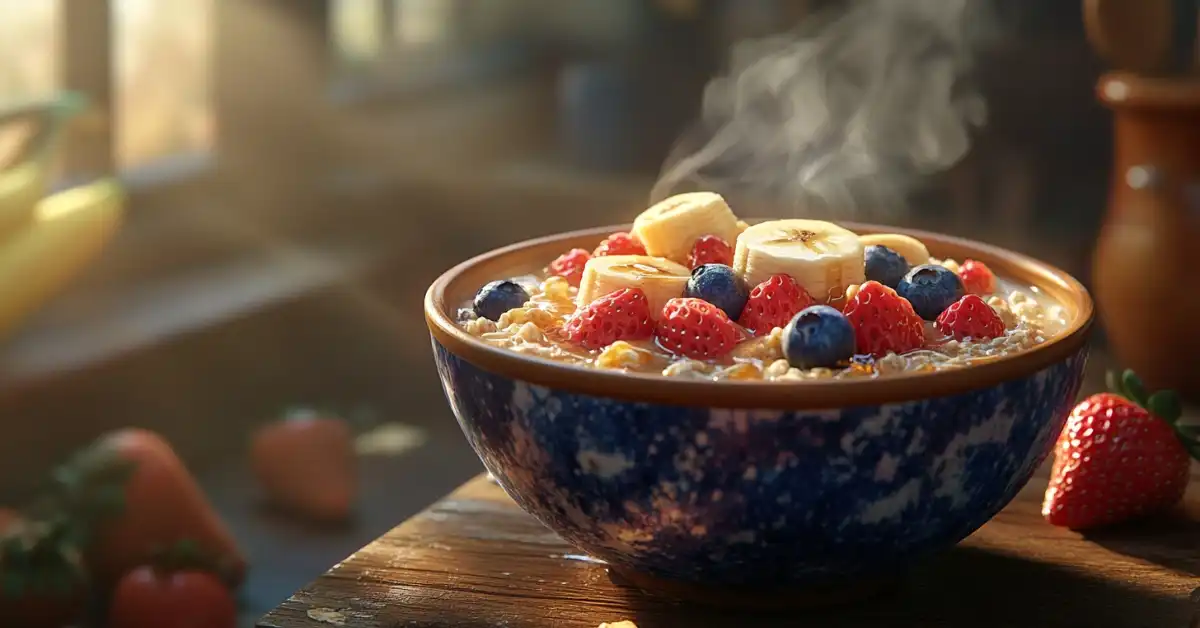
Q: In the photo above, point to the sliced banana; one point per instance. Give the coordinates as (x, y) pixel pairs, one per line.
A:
(910, 248)
(661, 279)
(821, 256)
(671, 227)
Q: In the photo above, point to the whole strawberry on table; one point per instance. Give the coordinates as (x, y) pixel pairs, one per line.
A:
(179, 588)
(1123, 454)
(122, 521)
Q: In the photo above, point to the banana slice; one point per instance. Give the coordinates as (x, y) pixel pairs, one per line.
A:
(661, 279)
(910, 248)
(671, 227)
(821, 256)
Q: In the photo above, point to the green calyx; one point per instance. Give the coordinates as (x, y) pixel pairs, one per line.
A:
(41, 555)
(39, 558)
(188, 555)
(359, 418)
(89, 490)
(1164, 404)
(300, 413)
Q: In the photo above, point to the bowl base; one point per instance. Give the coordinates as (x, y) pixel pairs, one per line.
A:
(755, 599)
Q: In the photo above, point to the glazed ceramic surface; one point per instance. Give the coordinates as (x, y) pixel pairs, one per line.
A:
(1150, 231)
(760, 497)
(758, 484)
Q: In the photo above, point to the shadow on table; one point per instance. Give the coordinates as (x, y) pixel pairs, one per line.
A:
(948, 593)
(1172, 541)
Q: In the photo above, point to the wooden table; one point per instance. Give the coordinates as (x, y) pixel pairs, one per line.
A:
(474, 559)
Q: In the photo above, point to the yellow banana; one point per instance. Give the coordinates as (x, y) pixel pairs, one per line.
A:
(68, 230)
(25, 182)
(21, 187)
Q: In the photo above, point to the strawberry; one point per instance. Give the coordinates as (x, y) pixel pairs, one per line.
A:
(131, 495)
(620, 315)
(884, 322)
(306, 464)
(1120, 456)
(710, 249)
(977, 278)
(772, 304)
(696, 329)
(620, 243)
(175, 597)
(570, 265)
(970, 317)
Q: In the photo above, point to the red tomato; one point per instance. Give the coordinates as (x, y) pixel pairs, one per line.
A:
(147, 598)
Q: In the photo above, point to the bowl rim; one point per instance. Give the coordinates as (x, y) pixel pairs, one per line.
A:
(804, 395)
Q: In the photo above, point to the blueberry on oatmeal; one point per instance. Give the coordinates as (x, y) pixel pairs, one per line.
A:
(819, 336)
(719, 285)
(931, 288)
(884, 265)
(498, 297)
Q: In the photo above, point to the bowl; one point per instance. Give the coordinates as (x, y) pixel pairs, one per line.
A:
(741, 492)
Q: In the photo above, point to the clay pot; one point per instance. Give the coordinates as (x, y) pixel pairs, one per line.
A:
(1147, 263)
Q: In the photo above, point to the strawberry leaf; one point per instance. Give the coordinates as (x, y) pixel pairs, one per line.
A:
(12, 585)
(188, 555)
(303, 412)
(1135, 391)
(1165, 405)
(1112, 379)
(89, 489)
(1193, 449)
(39, 558)
(1189, 435)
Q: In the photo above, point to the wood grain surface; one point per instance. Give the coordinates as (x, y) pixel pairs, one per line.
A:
(474, 559)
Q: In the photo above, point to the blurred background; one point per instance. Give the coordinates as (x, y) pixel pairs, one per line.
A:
(300, 170)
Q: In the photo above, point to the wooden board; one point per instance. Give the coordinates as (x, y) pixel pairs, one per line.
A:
(474, 559)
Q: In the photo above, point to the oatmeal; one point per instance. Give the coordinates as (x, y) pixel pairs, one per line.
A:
(788, 301)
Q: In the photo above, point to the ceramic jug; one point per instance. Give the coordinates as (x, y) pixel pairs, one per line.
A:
(1146, 270)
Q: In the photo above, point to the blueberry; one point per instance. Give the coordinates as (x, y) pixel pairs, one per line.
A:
(931, 289)
(885, 265)
(719, 285)
(499, 297)
(818, 336)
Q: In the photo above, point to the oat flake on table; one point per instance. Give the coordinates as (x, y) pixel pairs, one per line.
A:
(329, 616)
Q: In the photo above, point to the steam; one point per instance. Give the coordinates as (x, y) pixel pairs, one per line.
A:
(845, 114)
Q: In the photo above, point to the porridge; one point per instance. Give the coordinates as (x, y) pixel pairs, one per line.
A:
(694, 292)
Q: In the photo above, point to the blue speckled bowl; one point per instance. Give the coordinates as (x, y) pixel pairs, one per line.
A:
(758, 485)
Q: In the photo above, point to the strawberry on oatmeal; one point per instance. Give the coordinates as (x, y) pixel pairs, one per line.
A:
(694, 292)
